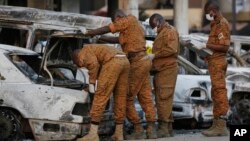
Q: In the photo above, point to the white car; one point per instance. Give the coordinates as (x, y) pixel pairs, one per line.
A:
(192, 105)
(40, 97)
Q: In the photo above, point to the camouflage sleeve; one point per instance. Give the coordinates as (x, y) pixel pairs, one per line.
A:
(119, 25)
(224, 34)
(89, 61)
(169, 45)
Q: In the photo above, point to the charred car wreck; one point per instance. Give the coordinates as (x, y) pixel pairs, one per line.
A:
(192, 98)
(42, 94)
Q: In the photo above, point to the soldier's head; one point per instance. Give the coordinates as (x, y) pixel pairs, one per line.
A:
(118, 14)
(75, 57)
(155, 21)
(212, 10)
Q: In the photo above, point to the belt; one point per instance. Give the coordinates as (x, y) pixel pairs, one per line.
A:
(120, 55)
(132, 55)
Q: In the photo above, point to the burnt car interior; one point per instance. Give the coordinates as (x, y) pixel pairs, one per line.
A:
(11, 36)
(29, 65)
(57, 60)
(53, 64)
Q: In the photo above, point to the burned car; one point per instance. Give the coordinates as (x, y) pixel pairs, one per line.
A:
(192, 105)
(42, 94)
(238, 72)
(43, 97)
(192, 98)
(237, 56)
(26, 27)
(240, 101)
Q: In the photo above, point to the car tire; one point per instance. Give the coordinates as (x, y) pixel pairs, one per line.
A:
(240, 112)
(10, 127)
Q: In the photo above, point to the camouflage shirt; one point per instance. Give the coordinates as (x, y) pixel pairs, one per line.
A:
(131, 35)
(219, 35)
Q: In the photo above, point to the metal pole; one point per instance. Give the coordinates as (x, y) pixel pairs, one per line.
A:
(112, 6)
(181, 16)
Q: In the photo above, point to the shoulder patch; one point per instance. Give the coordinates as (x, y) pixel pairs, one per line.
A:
(220, 36)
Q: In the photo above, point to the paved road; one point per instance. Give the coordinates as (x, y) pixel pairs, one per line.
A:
(194, 137)
(190, 135)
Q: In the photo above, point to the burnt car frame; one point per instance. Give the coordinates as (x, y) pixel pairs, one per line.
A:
(42, 94)
(19, 25)
(192, 98)
(46, 96)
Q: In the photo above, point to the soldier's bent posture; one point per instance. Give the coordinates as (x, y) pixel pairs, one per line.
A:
(165, 69)
(110, 67)
(218, 42)
(132, 41)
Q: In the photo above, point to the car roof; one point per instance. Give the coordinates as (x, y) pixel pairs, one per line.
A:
(16, 50)
(27, 15)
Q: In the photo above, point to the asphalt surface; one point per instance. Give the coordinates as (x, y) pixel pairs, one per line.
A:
(190, 137)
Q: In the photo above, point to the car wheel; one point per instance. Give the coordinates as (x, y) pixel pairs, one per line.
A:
(241, 112)
(9, 126)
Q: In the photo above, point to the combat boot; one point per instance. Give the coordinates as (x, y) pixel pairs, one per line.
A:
(163, 130)
(92, 135)
(219, 129)
(137, 134)
(118, 135)
(170, 126)
(212, 127)
(151, 131)
(170, 129)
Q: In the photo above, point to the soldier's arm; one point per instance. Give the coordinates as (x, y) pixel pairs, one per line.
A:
(109, 39)
(219, 48)
(89, 61)
(98, 31)
(93, 71)
(224, 39)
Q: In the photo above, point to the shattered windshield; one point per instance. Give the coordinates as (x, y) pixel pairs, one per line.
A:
(62, 75)
(28, 64)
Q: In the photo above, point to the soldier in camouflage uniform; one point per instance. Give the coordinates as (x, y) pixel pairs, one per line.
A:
(131, 38)
(165, 70)
(110, 67)
(218, 42)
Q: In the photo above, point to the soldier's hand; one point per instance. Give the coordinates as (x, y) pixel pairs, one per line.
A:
(91, 88)
(95, 39)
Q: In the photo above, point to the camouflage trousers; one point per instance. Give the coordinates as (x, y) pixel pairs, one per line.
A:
(164, 84)
(140, 87)
(217, 69)
(113, 77)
